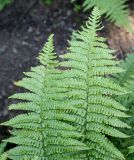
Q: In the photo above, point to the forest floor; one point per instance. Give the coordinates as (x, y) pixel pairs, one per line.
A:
(24, 27)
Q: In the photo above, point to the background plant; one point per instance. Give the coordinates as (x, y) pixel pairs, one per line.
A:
(48, 2)
(126, 79)
(4, 3)
(115, 10)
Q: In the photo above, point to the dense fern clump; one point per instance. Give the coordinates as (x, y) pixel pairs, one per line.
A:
(115, 10)
(72, 113)
(96, 114)
(40, 132)
(126, 79)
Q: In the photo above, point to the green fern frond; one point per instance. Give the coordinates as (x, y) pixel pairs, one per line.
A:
(43, 132)
(115, 10)
(97, 115)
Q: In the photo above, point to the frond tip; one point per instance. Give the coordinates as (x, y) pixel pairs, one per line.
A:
(115, 10)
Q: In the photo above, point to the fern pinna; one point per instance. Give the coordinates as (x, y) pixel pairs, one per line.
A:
(115, 10)
(40, 132)
(89, 91)
(3, 155)
(126, 79)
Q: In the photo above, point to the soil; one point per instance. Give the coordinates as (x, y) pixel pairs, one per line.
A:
(25, 26)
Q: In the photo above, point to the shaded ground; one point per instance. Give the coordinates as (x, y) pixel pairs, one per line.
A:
(24, 27)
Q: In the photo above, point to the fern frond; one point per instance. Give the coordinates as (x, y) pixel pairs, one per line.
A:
(115, 10)
(90, 61)
(43, 132)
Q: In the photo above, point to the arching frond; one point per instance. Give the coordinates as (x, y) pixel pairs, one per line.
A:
(96, 114)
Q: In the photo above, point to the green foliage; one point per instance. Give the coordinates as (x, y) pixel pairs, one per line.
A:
(71, 112)
(131, 149)
(126, 79)
(97, 115)
(115, 10)
(77, 7)
(48, 2)
(35, 158)
(2, 148)
(4, 3)
(40, 132)
(3, 156)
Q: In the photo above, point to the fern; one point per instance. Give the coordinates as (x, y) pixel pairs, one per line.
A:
(126, 79)
(2, 148)
(96, 114)
(115, 10)
(41, 132)
(71, 113)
